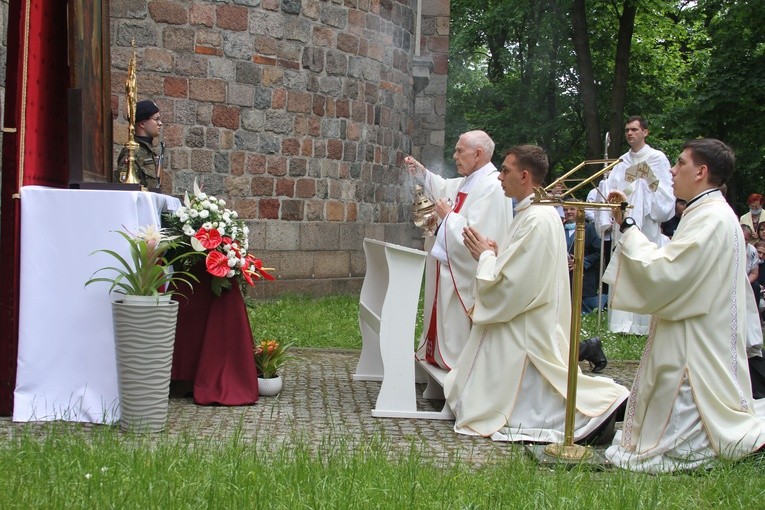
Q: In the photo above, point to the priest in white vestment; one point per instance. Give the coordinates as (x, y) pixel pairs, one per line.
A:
(475, 199)
(691, 399)
(652, 204)
(510, 382)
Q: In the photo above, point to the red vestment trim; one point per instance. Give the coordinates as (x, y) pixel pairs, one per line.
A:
(431, 337)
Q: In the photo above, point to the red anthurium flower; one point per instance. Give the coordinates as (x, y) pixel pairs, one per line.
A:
(210, 239)
(247, 273)
(217, 264)
(259, 267)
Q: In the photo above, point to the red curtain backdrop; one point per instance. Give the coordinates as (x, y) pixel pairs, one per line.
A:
(37, 78)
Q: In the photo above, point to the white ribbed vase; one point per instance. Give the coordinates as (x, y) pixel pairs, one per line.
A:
(270, 387)
(144, 334)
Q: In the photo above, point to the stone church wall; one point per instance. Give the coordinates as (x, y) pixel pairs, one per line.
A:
(297, 112)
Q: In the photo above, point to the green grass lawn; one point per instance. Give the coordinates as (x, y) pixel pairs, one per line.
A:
(70, 466)
(329, 322)
(65, 465)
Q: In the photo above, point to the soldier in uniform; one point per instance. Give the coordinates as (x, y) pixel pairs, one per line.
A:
(147, 126)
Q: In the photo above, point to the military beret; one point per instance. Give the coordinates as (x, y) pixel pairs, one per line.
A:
(145, 109)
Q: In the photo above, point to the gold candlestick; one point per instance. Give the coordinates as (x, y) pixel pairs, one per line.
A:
(131, 94)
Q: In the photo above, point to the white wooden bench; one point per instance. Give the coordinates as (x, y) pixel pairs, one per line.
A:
(387, 316)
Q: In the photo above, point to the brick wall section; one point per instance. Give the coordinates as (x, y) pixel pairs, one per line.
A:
(297, 112)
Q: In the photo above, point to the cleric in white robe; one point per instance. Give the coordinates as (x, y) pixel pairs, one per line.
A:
(691, 399)
(510, 381)
(475, 199)
(652, 203)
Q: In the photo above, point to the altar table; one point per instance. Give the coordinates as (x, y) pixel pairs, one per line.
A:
(66, 356)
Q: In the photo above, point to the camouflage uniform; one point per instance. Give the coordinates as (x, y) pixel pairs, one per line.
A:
(145, 161)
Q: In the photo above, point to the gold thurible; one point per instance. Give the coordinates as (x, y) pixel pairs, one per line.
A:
(131, 94)
(424, 212)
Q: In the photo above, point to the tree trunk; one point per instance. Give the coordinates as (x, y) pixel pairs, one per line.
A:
(589, 94)
(621, 76)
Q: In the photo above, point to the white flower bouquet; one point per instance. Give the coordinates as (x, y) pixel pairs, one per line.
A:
(220, 235)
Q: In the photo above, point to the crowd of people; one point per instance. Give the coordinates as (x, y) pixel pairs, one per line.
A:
(501, 315)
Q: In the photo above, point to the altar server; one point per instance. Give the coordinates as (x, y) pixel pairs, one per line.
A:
(652, 203)
(510, 382)
(691, 399)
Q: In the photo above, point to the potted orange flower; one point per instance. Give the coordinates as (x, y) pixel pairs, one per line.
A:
(270, 355)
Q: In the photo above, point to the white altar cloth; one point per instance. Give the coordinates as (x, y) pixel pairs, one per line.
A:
(66, 361)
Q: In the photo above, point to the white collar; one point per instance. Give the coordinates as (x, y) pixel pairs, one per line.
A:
(476, 176)
(702, 197)
(642, 152)
(524, 204)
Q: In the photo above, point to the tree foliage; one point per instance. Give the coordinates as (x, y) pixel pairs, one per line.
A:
(694, 68)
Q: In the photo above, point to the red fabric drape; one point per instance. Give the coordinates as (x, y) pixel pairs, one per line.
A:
(213, 345)
(37, 77)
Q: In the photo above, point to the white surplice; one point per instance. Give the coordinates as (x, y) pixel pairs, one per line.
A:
(691, 399)
(649, 210)
(486, 209)
(510, 382)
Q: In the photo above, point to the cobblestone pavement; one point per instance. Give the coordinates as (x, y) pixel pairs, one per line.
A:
(321, 404)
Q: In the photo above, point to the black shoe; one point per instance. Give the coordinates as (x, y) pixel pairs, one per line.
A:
(592, 351)
(603, 435)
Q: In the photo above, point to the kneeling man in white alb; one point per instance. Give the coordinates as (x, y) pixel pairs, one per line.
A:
(510, 380)
(692, 397)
